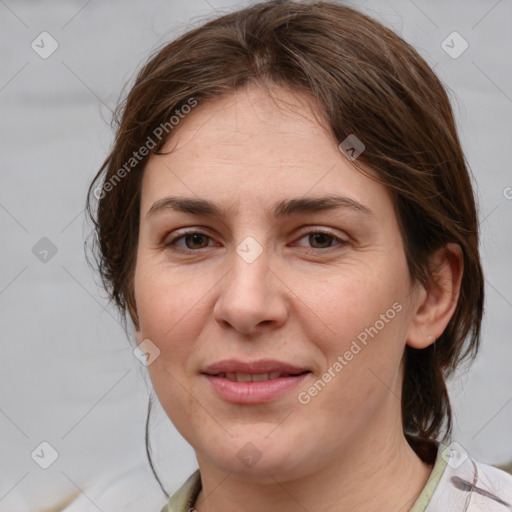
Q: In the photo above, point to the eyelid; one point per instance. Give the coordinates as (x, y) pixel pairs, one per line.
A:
(180, 234)
(328, 231)
(198, 230)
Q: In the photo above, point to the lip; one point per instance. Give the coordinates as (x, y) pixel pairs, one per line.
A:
(253, 392)
(260, 366)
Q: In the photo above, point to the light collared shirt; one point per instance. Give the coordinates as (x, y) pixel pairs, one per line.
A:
(457, 483)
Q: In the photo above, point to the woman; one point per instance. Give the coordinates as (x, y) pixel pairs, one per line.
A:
(288, 219)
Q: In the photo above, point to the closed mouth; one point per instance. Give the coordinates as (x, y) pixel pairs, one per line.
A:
(255, 377)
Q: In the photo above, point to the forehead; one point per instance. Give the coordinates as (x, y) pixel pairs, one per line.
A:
(250, 149)
(252, 119)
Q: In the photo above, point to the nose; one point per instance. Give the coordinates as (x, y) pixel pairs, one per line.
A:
(252, 298)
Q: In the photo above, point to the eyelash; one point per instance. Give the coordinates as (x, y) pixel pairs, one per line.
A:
(172, 244)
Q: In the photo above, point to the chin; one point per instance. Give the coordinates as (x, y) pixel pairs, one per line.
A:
(257, 458)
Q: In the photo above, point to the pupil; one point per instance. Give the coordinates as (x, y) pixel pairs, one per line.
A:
(195, 237)
(321, 235)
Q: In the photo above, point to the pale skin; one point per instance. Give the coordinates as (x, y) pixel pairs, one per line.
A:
(303, 300)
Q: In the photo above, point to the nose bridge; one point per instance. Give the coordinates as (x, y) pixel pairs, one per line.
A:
(248, 295)
(250, 267)
(251, 249)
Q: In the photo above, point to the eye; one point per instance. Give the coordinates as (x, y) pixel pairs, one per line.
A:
(195, 240)
(192, 240)
(322, 238)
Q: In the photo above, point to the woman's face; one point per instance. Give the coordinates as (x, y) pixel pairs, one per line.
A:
(324, 289)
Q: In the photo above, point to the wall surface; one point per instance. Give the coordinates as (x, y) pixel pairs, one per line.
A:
(68, 375)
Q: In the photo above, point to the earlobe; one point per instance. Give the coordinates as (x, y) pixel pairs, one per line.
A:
(437, 304)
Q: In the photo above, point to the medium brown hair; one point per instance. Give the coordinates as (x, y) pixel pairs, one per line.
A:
(367, 81)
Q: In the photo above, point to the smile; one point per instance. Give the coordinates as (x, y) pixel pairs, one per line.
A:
(255, 377)
(243, 388)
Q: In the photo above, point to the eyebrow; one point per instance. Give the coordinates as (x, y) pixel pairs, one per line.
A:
(282, 209)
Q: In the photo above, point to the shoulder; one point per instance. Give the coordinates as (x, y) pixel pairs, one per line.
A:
(132, 489)
(497, 481)
(470, 485)
(184, 498)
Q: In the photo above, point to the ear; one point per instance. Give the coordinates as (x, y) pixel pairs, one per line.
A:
(132, 310)
(436, 304)
(139, 338)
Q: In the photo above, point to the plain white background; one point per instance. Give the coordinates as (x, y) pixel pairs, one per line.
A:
(68, 375)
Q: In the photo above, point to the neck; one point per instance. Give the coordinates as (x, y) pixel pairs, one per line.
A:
(381, 474)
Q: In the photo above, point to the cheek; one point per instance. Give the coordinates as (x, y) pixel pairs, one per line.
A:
(168, 312)
(348, 302)
(181, 403)
(165, 300)
(362, 319)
